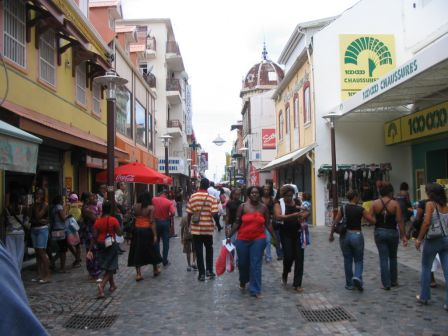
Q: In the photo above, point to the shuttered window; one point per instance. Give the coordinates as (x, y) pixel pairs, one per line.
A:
(14, 46)
(47, 57)
(81, 83)
(96, 106)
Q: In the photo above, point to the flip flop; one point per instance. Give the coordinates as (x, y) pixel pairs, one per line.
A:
(140, 278)
(112, 289)
(42, 282)
(35, 280)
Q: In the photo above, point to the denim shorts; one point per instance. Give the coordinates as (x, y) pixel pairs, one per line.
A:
(39, 236)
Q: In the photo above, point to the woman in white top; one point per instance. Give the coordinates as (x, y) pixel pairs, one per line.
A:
(436, 213)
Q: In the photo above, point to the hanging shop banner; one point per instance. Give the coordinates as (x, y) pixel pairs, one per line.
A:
(364, 59)
(254, 176)
(17, 155)
(268, 138)
(203, 164)
(433, 120)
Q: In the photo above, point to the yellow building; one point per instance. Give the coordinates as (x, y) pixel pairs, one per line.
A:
(295, 115)
(51, 53)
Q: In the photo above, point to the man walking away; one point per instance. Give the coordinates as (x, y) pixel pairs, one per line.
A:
(215, 193)
(179, 201)
(163, 211)
(202, 227)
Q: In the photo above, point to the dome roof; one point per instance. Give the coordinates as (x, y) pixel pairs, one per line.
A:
(265, 75)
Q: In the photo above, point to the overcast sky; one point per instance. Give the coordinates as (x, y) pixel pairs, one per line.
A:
(219, 42)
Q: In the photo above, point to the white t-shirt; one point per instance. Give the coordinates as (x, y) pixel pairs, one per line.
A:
(213, 192)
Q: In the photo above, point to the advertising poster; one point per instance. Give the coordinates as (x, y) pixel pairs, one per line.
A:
(268, 138)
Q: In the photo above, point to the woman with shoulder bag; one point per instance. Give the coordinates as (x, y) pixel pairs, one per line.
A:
(14, 218)
(434, 231)
(389, 228)
(287, 211)
(352, 241)
(105, 230)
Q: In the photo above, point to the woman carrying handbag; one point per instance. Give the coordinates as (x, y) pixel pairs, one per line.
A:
(434, 236)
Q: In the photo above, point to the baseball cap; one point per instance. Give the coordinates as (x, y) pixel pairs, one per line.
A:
(73, 198)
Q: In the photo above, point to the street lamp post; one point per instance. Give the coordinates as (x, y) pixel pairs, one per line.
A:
(244, 150)
(189, 177)
(234, 172)
(334, 190)
(166, 141)
(110, 80)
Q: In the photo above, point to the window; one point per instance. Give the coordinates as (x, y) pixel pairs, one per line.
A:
(111, 21)
(96, 104)
(140, 124)
(280, 125)
(296, 111)
(143, 67)
(123, 112)
(47, 57)
(14, 43)
(306, 103)
(150, 132)
(288, 121)
(81, 84)
(84, 6)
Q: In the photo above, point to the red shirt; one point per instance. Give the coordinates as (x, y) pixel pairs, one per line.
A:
(252, 226)
(163, 208)
(105, 225)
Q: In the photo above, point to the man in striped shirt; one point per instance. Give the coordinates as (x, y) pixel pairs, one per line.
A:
(202, 230)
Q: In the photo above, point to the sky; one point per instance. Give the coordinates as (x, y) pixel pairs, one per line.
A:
(219, 42)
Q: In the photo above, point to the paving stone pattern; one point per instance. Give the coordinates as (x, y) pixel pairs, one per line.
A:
(175, 303)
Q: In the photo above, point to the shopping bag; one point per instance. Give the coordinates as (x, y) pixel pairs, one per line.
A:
(225, 261)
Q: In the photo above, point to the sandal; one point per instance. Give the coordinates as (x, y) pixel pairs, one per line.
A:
(139, 278)
(298, 289)
(156, 272)
(42, 282)
(112, 289)
(100, 292)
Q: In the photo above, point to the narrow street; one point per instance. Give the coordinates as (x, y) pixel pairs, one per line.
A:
(175, 303)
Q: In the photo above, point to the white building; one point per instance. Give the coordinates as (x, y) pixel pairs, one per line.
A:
(163, 63)
(368, 71)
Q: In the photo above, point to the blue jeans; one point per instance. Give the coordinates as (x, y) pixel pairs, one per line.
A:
(430, 249)
(352, 246)
(267, 251)
(163, 231)
(387, 241)
(250, 257)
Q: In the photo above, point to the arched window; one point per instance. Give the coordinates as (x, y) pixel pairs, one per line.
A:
(280, 125)
(306, 103)
(287, 119)
(296, 110)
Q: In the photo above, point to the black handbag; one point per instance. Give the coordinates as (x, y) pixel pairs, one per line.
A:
(341, 226)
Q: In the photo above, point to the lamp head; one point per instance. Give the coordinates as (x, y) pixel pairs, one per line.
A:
(219, 141)
(111, 81)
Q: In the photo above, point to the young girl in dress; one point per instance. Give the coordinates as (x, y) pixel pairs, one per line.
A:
(187, 242)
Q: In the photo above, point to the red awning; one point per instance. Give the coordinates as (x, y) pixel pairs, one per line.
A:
(136, 172)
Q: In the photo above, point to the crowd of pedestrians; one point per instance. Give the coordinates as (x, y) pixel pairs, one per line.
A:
(254, 218)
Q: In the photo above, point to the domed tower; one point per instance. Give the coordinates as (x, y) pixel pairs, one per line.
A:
(263, 76)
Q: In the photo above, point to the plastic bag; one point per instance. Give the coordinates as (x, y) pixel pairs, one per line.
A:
(225, 261)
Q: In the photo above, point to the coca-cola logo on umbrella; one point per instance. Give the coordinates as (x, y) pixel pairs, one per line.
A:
(268, 138)
(125, 178)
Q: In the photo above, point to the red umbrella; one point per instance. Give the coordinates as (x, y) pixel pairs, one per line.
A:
(138, 173)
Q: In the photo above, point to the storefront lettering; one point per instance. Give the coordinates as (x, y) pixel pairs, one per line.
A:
(433, 120)
(399, 74)
(370, 91)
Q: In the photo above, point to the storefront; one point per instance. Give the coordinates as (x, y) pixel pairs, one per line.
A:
(18, 161)
(411, 101)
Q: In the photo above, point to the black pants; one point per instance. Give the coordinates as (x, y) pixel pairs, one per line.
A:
(218, 225)
(293, 253)
(199, 241)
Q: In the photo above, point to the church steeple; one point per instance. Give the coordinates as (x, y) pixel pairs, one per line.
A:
(264, 54)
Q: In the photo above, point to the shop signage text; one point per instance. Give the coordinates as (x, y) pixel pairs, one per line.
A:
(433, 120)
(268, 138)
(364, 59)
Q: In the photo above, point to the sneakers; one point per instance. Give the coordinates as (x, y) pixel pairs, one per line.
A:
(188, 268)
(348, 287)
(201, 277)
(357, 283)
(210, 275)
(194, 267)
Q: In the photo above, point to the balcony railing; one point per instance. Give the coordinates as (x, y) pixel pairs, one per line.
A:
(174, 123)
(173, 84)
(172, 48)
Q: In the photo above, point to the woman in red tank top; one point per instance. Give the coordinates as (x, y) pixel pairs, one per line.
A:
(251, 220)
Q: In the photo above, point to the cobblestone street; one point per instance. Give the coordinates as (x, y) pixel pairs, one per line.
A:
(175, 303)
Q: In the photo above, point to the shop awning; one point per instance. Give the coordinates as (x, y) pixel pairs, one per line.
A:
(18, 149)
(418, 83)
(288, 158)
